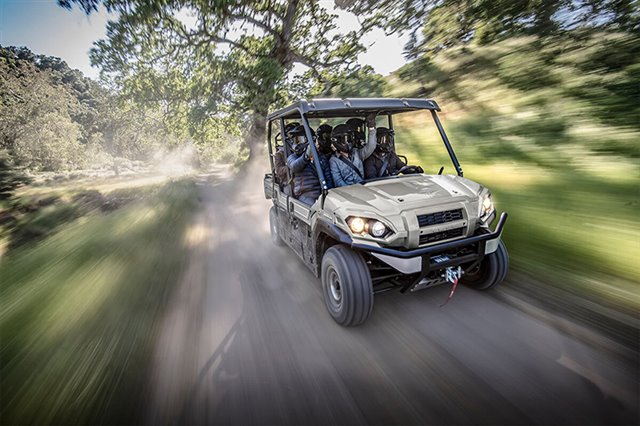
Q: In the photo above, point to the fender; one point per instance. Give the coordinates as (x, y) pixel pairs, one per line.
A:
(324, 227)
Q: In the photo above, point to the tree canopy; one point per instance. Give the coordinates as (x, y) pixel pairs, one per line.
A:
(436, 25)
(53, 118)
(222, 60)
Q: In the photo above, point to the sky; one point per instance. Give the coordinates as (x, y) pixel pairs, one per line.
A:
(46, 28)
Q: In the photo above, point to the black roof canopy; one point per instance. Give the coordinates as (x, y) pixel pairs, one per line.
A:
(352, 107)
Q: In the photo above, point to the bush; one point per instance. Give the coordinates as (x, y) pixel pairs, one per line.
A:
(50, 142)
(526, 71)
(11, 177)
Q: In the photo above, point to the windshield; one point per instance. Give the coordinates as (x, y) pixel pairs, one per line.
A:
(412, 139)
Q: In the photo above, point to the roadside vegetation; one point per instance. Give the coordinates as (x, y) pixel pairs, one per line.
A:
(550, 125)
(78, 309)
(540, 99)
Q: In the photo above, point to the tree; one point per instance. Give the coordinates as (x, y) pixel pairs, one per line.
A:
(36, 128)
(50, 142)
(363, 82)
(436, 25)
(241, 53)
(50, 114)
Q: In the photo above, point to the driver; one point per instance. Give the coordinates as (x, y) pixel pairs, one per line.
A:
(347, 165)
(384, 161)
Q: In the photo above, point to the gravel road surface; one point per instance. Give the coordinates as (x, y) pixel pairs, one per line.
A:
(246, 340)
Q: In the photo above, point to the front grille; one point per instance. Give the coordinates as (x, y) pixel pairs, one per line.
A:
(439, 236)
(439, 217)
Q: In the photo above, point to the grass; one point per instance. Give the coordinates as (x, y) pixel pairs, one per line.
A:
(550, 131)
(573, 215)
(38, 211)
(78, 311)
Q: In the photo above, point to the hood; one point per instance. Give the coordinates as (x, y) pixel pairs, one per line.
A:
(395, 194)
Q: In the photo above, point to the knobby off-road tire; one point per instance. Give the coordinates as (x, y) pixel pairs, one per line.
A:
(491, 271)
(346, 286)
(275, 229)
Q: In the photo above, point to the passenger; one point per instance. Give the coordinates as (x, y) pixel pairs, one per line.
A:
(325, 151)
(281, 170)
(358, 125)
(384, 161)
(347, 165)
(306, 185)
(280, 163)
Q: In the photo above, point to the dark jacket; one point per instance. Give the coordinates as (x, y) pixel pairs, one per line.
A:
(373, 165)
(326, 169)
(305, 178)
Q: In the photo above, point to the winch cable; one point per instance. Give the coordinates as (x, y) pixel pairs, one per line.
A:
(451, 293)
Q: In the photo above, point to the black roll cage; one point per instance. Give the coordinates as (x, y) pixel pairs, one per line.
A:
(336, 108)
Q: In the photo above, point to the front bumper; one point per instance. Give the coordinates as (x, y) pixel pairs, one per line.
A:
(431, 258)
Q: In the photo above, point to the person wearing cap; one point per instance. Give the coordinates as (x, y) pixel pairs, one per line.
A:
(347, 166)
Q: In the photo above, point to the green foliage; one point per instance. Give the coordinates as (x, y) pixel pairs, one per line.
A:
(362, 83)
(54, 119)
(49, 142)
(11, 177)
(525, 93)
(27, 92)
(83, 304)
(525, 70)
(234, 59)
(611, 85)
(40, 224)
(448, 23)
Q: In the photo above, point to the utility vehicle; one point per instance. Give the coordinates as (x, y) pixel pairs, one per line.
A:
(405, 232)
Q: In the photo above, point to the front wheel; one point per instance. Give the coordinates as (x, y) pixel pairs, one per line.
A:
(490, 272)
(346, 286)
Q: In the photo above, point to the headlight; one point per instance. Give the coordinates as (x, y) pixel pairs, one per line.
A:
(378, 229)
(361, 226)
(356, 224)
(486, 206)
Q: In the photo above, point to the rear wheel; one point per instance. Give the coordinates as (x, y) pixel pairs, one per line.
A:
(275, 229)
(490, 272)
(346, 286)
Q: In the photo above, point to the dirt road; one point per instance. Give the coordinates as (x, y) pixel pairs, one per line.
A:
(246, 340)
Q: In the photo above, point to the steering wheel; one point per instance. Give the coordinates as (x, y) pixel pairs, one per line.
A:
(408, 170)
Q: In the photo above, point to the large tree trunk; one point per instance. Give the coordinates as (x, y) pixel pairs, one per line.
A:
(257, 135)
(281, 53)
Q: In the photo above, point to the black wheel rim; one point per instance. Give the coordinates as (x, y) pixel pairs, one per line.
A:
(334, 289)
(476, 274)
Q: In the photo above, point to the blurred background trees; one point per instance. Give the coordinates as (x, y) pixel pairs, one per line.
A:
(212, 62)
(55, 119)
(207, 74)
(439, 25)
